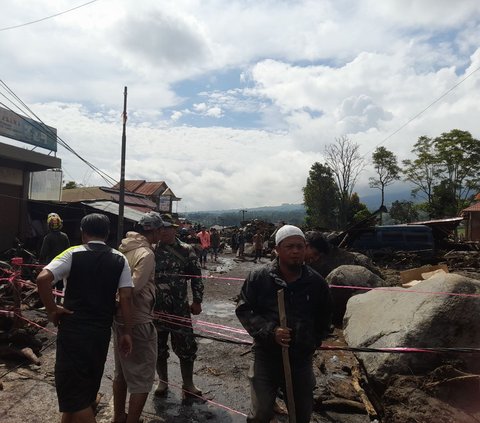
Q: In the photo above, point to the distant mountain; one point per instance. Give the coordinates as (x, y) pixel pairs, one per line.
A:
(290, 213)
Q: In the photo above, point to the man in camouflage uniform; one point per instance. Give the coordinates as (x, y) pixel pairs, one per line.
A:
(173, 259)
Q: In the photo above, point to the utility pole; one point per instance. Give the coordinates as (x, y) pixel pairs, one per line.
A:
(121, 198)
(243, 211)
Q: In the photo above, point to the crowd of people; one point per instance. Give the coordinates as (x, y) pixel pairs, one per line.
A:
(138, 291)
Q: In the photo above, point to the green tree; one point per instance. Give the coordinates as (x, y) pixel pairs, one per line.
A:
(356, 210)
(70, 185)
(443, 201)
(346, 163)
(458, 158)
(388, 171)
(446, 171)
(423, 172)
(403, 211)
(321, 197)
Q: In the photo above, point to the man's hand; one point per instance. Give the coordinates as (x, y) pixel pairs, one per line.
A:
(283, 336)
(125, 344)
(56, 314)
(195, 308)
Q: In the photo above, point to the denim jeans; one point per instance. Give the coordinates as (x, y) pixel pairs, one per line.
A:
(266, 375)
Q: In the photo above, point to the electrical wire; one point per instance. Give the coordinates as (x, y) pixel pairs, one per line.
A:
(42, 127)
(47, 17)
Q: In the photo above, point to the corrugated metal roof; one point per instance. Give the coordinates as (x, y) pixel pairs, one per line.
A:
(84, 193)
(130, 184)
(97, 193)
(151, 188)
(111, 207)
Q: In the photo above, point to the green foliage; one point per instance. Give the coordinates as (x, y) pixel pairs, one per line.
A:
(424, 170)
(70, 185)
(445, 172)
(403, 211)
(321, 198)
(388, 171)
(356, 210)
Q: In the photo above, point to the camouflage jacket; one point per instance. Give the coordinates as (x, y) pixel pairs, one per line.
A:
(172, 261)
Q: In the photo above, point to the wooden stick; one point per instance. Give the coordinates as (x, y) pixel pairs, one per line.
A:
(356, 380)
(286, 360)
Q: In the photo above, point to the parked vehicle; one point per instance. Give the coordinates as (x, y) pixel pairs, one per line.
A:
(378, 239)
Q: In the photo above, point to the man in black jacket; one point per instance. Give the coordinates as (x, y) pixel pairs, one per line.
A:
(308, 309)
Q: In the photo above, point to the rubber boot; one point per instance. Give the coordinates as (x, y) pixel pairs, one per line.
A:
(162, 370)
(188, 387)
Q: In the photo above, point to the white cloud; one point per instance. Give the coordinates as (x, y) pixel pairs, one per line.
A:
(308, 72)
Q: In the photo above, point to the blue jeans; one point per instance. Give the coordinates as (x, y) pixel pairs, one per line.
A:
(266, 375)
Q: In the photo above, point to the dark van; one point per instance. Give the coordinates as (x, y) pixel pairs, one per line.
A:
(394, 238)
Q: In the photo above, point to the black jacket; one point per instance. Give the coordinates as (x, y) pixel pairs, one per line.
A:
(308, 307)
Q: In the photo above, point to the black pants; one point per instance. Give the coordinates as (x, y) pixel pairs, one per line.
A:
(266, 375)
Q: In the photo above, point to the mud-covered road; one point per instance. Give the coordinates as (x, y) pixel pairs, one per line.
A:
(28, 393)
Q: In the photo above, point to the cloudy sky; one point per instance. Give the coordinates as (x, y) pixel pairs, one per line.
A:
(231, 102)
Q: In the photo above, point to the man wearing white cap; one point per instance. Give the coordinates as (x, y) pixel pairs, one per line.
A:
(308, 309)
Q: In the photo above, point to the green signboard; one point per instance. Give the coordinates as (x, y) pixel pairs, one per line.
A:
(27, 130)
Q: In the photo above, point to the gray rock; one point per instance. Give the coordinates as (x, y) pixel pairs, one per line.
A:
(349, 275)
(405, 319)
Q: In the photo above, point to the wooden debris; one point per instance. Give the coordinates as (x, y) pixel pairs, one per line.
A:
(343, 405)
(357, 384)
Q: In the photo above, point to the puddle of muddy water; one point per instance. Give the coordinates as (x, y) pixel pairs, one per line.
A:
(222, 309)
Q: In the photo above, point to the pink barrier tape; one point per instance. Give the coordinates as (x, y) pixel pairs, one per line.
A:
(35, 324)
(201, 322)
(217, 404)
(165, 320)
(363, 288)
(405, 291)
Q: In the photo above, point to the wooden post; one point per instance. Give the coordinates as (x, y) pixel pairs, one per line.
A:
(286, 362)
(121, 196)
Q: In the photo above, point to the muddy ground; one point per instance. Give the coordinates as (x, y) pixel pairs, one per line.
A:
(28, 392)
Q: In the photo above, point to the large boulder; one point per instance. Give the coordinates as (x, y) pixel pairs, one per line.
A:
(338, 257)
(416, 317)
(349, 275)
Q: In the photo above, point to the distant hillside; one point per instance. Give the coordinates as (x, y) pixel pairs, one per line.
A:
(290, 213)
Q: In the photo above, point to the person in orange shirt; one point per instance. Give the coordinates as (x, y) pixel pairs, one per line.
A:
(204, 237)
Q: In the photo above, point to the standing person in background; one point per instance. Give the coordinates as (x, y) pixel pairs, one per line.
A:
(215, 243)
(241, 244)
(258, 244)
(137, 371)
(308, 309)
(53, 244)
(234, 241)
(176, 263)
(95, 274)
(204, 237)
(54, 241)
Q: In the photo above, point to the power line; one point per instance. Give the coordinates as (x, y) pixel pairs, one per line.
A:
(47, 17)
(427, 107)
(44, 129)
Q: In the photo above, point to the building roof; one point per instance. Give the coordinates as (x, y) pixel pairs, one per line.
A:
(29, 160)
(152, 188)
(106, 194)
(155, 189)
(111, 207)
(473, 208)
(143, 187)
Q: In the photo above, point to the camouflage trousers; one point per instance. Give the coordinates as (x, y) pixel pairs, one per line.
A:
(183, 342)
